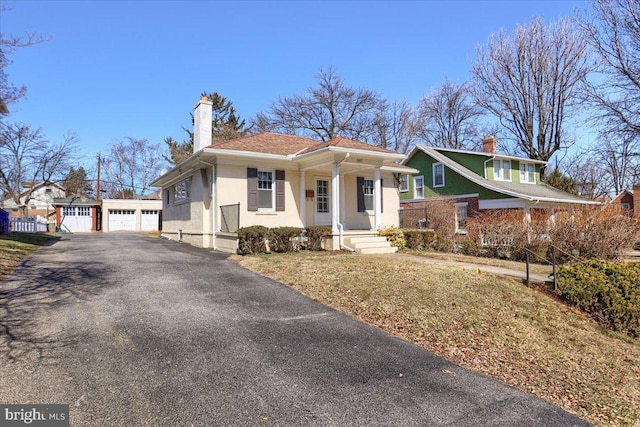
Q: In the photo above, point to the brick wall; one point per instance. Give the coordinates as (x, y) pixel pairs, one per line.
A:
(636, 200)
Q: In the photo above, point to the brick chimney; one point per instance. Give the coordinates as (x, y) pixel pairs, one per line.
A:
(636, 200)
(489, 144)
(202, 117)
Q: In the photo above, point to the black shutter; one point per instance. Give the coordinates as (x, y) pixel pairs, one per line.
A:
(279, 190)
(360, 192)
(252, 189)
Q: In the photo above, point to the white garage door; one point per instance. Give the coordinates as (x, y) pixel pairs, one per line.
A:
(76, 219)
(122, 220)
(149, 220)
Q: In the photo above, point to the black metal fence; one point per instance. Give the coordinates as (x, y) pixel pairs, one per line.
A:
(230, 218)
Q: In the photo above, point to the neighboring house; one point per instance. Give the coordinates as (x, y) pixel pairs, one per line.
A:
(131, 215)
(477, 181)
(4, 222)
(278, 180)
(77, 214)
(40, 201)
(629, 201)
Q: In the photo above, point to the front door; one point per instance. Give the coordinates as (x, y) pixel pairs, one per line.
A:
(323, 202)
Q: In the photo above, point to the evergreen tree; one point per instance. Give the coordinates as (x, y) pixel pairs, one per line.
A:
(76, 182)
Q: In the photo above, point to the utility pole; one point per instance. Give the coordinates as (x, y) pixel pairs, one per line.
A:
(98, 181)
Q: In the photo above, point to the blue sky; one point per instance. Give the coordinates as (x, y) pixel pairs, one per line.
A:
(136, 68)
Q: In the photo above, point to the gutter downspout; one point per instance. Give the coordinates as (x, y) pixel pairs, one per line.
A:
(485, 167)
(340, 226)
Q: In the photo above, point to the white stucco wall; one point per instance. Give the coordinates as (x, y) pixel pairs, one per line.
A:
(192, 221)
(231, 183)
(184, 220)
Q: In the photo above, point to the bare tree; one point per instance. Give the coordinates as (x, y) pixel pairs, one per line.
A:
(450, 117)
(9, 43)
(396, 127)
(530, 82)
(26, 156)
(614, 33)
(130, 166)
(589, 177)
(331, 109)
(618, 156)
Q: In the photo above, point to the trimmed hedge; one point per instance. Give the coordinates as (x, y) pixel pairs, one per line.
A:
(259, 239)
(608, 291)
(316, 235)
(285, 239)
(395, 236)
(253, 240)
(418, 239)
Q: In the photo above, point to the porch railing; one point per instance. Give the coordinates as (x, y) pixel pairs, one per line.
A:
(230, 218)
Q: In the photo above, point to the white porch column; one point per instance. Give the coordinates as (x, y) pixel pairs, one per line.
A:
(552, 217)
(343, 204)
(214, 208)
(377, 192)
(303, 201)
(335, 197)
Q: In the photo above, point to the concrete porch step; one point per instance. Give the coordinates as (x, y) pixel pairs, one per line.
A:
(369, 244)
(379, 250)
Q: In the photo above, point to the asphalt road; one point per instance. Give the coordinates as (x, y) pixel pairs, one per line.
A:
(135, 331)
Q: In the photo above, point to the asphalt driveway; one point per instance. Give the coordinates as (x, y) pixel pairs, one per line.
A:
(135, 331)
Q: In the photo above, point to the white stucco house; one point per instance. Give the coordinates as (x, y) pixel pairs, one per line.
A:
(280, 180)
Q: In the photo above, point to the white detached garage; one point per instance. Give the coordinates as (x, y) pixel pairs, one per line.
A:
(131, 215)
(77, 214)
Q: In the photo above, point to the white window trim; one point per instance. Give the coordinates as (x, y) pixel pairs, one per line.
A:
(498, 172)
(372, 195)
(273, 191)
(187, 197)
(457, 205)
(525, 172)
(415, 186)
(406, 188)
(433, 169)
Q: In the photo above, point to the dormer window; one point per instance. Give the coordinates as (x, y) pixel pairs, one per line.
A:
(527, 173)
(502, 170)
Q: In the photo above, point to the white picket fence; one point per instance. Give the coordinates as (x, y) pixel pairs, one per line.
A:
(32, 224)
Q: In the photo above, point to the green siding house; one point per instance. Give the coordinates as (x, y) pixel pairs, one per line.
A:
(479, 180)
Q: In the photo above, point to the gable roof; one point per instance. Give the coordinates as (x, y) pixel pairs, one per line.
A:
(532, 192)
(621, 195)
(347, 143)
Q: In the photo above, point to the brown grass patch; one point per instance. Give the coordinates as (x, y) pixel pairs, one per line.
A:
(486, 323)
